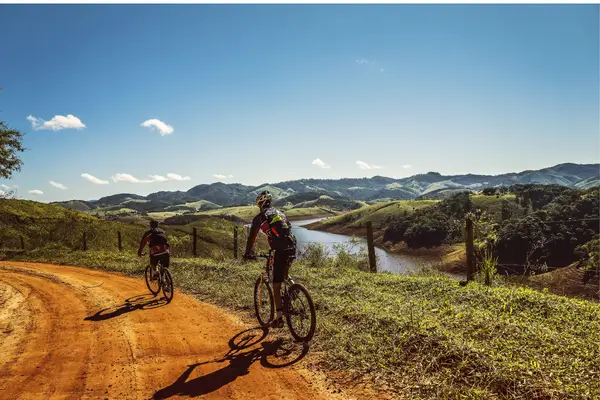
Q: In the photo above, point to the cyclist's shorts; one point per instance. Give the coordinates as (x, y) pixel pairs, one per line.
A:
(163, 258)
(282, 260)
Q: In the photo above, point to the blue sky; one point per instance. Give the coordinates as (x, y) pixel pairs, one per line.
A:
(258, 93)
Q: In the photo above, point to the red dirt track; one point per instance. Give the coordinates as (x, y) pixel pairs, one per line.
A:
(70, 333)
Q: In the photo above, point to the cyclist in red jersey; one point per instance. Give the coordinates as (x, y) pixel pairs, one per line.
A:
(279, 233)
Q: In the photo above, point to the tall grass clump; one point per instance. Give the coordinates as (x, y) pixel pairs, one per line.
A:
(314, 255)
(487, 270)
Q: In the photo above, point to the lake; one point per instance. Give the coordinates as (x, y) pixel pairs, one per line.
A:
(395, 263)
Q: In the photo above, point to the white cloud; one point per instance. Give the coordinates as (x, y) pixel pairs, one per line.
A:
(163, 128)
(319, 163)
(220, 176)
(158, 178)
(370, 64)
(364, 165)
(170, 177)
(35, 192)
(5, 186)
(177, 177)
(57, 123)
(58, 185)
(407, 166)
(129, 178)
(93, 179)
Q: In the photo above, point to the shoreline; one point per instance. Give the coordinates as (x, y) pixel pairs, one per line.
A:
(450, 258)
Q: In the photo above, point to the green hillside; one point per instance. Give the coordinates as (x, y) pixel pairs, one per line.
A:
(51, 226)
(47, 225)
(379, 214)
(588, 183)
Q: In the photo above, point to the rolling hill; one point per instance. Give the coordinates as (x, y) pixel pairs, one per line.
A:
(342, 193)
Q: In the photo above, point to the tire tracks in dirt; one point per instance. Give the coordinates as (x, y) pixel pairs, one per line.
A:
(71, 332)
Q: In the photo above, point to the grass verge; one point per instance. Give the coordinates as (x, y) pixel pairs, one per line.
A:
(417, 336)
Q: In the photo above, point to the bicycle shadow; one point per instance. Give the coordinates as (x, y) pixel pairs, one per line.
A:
(139, 302)
(239, 363)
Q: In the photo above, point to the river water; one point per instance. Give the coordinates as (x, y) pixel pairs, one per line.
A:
(395, 263)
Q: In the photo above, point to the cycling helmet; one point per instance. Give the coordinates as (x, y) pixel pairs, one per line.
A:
(153, 224)
(263, 199)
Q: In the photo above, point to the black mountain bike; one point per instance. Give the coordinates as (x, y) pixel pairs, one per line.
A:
(298, 306)
(159, 278)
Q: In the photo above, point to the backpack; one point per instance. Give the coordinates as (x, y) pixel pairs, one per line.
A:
(158, 238)
(277, 219)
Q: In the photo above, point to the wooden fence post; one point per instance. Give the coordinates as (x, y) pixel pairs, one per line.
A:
(84, 241)
(194, 241)
(371, 247)
(22, 242)
(235, 242)
(469, 248)
(119, 240)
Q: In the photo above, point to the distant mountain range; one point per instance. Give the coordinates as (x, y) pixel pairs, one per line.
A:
(377, 188)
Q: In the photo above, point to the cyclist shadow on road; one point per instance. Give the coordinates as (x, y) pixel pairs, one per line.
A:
(140, 302)
(240, 358)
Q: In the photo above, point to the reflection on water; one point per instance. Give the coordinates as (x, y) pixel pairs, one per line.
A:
(395, 263)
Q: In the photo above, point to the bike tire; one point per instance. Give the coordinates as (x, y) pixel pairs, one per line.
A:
(296, 290)
(147, 276)
(260, 287)
(167, 283)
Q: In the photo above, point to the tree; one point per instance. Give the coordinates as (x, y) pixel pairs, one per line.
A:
(489, 191)
(428, 229)
(10, 145)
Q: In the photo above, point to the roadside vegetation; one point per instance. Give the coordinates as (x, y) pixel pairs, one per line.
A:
(423, 336)
(46, 226)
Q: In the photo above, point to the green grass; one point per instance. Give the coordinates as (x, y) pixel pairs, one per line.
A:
(245, 213)
(379, 214)
(491, 204)
(104, 212)
(162, 215)
(193, 206)
(215, 237)
(422, 336)
(299, 213)
(45, 225)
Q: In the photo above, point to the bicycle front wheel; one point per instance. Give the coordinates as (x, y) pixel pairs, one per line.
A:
(300, 313)
(153, 285)
(263, 302)
(167, 285)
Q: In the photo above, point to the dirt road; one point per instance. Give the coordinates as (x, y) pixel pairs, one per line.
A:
(69, 332)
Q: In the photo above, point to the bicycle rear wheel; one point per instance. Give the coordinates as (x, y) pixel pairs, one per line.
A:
(153, 285)
(300, 313)
(167, 285)
(263, 302)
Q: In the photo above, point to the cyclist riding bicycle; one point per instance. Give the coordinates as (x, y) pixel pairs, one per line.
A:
(159, 247)
(279, 233)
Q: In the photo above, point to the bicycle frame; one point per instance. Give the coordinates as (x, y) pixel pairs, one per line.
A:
(287, 281)
(291, 291)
